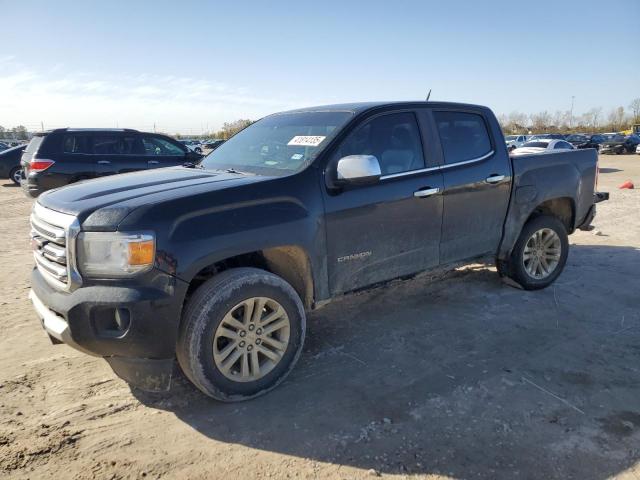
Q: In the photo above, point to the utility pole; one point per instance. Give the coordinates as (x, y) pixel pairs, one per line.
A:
(42, 125)
(573, 97)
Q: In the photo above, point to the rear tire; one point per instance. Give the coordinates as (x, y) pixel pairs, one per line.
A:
(539, 255)
(242, 333)
(15, 174)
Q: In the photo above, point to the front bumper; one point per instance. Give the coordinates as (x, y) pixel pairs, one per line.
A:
(141, 350)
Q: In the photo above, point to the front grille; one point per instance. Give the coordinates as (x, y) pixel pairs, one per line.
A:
(52, 237)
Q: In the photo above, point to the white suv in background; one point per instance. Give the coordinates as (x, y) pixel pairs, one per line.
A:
(515, 141)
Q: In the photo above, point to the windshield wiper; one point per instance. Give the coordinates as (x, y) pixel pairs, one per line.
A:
(233, 170)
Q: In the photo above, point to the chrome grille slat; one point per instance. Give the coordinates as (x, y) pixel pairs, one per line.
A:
(50, 232)
(55, 253)
(53, 241)
(55, 269)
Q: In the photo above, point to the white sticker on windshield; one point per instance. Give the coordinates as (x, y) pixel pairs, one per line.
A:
(296, 156)
(306, 140)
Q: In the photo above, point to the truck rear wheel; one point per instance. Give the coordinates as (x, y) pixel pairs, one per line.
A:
(539, 255)
(242, 333)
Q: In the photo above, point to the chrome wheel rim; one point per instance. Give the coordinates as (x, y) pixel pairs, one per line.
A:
(542, 253)
(17, 176)
(251, 339)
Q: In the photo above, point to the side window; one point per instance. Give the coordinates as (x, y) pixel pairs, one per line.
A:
(160, 146)
(561, 146)
(75, 144)
(394, 139)
(114, 144)
(464, 136)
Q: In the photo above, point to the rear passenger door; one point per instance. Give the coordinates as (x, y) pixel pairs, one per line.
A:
(117, 152)
(477, 184)
(162, 152)
(76, 156)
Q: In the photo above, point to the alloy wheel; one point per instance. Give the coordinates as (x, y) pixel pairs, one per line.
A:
(542, 253)
(251, 339)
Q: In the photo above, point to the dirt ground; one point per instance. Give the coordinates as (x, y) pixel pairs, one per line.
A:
(464, 377)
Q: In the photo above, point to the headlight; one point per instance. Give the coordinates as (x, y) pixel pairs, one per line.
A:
(115, 254)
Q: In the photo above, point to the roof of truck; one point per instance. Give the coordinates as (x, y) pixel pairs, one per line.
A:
(359, 107)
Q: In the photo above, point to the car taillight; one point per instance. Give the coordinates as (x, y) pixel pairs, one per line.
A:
(40, 165)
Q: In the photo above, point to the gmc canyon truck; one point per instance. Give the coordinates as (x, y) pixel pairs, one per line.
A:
(216, 264)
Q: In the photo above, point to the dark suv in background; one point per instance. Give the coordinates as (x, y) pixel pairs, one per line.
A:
(59, 157)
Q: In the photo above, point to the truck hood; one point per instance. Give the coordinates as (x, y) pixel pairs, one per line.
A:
(114, 197)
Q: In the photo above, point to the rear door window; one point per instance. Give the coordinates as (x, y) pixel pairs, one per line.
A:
(76, 144)
(464, 136)
(562, 146)
(114, 145)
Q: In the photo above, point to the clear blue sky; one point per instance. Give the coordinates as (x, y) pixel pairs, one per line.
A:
(188, 65)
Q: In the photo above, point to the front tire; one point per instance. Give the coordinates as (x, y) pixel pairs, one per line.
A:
(242, 333)
(539, 255)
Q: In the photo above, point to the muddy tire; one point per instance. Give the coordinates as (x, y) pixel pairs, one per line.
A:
(539, 255)
(242, 332)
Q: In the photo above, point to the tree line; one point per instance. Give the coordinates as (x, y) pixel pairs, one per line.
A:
(228, 130)
(594, 120)
(16, 133)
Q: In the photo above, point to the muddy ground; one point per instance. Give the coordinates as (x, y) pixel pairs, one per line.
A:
(464, 377)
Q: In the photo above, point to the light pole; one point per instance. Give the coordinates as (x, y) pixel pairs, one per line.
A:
(573, 97)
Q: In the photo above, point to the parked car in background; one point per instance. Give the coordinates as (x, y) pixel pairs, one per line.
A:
(542, 146)
(193, 145)
(59, 157)
(218, 265)
(213, 144)
(620, 144)
(10, 163)
(585, 141)
(547, 136)
(515, 141)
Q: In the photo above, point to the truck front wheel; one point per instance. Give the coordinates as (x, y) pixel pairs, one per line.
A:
(242, 332)
(539, 255)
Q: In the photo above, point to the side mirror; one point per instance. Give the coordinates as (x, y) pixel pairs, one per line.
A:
(358, 170)
(192, 156)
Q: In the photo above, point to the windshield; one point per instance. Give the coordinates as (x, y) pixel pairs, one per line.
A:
(510, 138)
(279, 144)
(577, 138)
(536, 144)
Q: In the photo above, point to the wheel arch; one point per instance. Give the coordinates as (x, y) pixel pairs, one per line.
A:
(291, 262)
(562, 208)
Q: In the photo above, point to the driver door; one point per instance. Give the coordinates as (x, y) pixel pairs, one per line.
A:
(391, 228)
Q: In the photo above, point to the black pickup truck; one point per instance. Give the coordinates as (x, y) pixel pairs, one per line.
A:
(216, 264)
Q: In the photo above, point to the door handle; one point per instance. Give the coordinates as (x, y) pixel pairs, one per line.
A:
(153, 162)
(426, 192)
(103, 162)
(495, 178)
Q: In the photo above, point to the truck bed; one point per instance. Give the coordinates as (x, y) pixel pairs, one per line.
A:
(569, 174)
